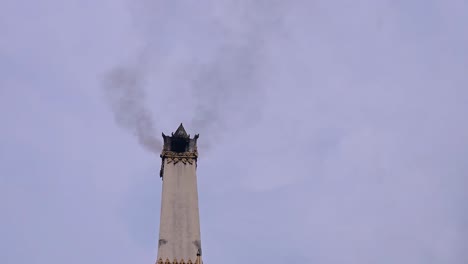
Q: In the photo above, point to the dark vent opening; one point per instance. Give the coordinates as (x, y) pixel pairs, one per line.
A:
(179, 145)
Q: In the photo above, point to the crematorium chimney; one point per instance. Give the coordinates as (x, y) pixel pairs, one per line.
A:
(179, 231)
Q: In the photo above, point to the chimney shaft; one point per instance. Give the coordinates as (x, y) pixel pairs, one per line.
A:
(179, 231)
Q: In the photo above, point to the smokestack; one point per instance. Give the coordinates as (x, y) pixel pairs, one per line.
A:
(179, 231)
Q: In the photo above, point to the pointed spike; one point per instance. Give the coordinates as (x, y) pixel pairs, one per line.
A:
(180, 132)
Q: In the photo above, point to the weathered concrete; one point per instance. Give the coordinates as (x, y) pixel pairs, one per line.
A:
(179, 233)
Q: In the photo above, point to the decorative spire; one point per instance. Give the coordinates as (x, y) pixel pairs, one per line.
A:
(180, 132)
(179, 147)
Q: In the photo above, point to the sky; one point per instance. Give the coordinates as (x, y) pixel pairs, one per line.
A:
(330, 131)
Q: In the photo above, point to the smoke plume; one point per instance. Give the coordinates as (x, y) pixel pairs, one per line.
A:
(226, 85)
(229, 90)
(125, 92)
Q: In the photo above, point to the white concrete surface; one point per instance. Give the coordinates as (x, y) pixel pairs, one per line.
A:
(179, 233)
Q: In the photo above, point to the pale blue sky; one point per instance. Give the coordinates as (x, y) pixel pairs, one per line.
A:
(331, 131)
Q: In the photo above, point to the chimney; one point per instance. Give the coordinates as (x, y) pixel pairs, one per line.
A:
(179, 231)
